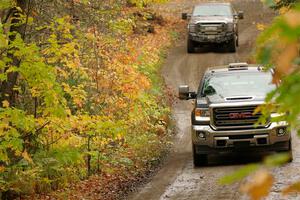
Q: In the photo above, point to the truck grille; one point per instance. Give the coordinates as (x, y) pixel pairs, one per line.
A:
(211, 28)
(236, 117)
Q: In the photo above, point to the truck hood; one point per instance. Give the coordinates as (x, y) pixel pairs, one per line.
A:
(211, 19)
(216, 99)
(221, 99)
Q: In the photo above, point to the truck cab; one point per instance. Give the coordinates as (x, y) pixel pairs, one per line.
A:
(225, 117)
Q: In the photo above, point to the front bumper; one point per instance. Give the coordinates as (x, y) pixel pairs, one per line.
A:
(231, 140)
(211, 38)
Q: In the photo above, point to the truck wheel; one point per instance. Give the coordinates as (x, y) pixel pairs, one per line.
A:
(289, 152)
(199, 159)
(232, 45)
(190, 46)
(237, 41)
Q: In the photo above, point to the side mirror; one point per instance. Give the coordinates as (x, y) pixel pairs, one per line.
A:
(185, 16)
(209, 90)
(185, 94)
(241, 15)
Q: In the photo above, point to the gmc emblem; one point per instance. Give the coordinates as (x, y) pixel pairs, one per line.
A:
(241, 115)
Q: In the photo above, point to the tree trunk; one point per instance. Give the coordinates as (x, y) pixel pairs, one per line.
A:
(7, 87)
(89, 157)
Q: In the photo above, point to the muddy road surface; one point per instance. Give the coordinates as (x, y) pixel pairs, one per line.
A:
(178, 179)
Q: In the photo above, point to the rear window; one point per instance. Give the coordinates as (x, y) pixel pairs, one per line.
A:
(240, 84)
(212, 10)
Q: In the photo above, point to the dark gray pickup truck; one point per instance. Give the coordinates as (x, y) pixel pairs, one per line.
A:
(213, 23)
(224, 117)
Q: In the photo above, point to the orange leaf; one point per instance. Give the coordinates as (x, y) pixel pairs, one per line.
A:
(259, 186)
(293, 18)
(2, 169)
(294, 188)
(285, 59)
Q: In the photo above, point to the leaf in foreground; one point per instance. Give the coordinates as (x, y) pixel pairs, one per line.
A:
(277, 159)
(294, 188)
(259, 185)
(240, 174)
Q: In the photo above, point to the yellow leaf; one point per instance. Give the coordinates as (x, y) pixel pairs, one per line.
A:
(260, 26)
(119, 136)
(5, 104)
(27, 157)
(2, 169)
(259, 186)
(283, 10)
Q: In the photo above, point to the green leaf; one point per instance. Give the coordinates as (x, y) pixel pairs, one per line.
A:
(277, 159)
(5, 4)
(239, 174)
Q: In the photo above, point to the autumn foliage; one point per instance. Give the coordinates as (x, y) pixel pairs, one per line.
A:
(80, 92)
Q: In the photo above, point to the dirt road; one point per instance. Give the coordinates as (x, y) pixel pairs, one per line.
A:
(178, 179)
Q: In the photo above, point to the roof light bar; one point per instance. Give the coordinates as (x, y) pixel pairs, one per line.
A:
(238, 66)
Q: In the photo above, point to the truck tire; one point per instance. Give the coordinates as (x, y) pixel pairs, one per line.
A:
(289, 152)
(232, 45)
(190, 46)
(199, 159)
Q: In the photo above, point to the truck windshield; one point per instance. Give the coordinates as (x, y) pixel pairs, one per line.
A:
(212, 10)
(240, 84)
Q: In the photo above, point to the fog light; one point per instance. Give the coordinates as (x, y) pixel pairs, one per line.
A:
(281, 131)
(200, 135)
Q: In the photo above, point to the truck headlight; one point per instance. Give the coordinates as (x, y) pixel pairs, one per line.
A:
(202, 115)
(202, 112)
(192, 28)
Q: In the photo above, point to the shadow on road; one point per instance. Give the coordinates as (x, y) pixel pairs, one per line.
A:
(212, 49)
(236, 158)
